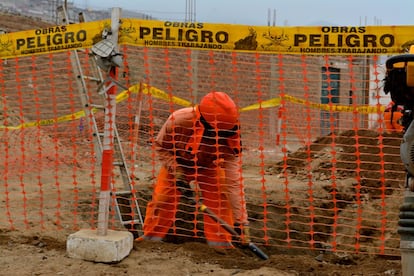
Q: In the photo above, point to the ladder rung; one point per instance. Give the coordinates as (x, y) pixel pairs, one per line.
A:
(97, 106)
(123, 193)
(118, 163)
(133, 221)
(92, 78)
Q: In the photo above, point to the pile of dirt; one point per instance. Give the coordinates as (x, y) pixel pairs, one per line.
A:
(367, 155)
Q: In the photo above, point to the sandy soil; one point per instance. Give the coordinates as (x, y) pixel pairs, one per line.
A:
(25, 253)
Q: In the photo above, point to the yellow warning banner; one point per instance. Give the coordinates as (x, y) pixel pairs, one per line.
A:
(52, 39)
(319, 40)
(331, 40)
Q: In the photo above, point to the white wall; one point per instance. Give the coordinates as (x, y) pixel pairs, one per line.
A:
(376, 93)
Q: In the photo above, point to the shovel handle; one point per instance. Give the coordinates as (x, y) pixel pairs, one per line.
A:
(203, 208)
(256, 250)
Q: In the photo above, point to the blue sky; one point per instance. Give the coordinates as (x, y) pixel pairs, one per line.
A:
(256, 12)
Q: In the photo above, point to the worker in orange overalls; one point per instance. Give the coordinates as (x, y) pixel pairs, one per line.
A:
(392, 118)
(200, 145)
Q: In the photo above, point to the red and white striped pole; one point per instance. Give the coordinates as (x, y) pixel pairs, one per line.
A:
(108, 139)
(279, 124)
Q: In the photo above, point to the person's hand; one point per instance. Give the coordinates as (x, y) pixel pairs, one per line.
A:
(244, 233)
(245, 237)
(183, 186)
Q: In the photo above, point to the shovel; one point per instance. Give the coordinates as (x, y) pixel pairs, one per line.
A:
(189, 193)
(256, 250)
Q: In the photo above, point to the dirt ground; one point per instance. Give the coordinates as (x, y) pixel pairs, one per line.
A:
(42, 252)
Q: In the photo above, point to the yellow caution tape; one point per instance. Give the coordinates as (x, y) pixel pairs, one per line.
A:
(365, 109)
(155, 92)
(276, 102)
(146, 89)
(159, 94)
(265, 104)
(66, 118)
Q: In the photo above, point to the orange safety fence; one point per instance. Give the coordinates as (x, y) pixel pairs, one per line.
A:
(320, 170)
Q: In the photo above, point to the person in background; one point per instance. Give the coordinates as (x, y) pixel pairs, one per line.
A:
(201, 145)
(392, 118)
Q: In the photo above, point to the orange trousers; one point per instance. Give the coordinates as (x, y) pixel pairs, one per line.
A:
(161, 210)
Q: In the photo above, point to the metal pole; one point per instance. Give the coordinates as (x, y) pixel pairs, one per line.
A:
(406, 222)
(406, 231)
(108, 139)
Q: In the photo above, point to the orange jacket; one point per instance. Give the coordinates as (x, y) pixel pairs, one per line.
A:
(181, 142)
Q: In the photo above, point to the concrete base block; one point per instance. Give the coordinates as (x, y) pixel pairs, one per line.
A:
(87, 245)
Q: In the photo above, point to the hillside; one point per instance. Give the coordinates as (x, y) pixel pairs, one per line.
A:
(13, 23)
